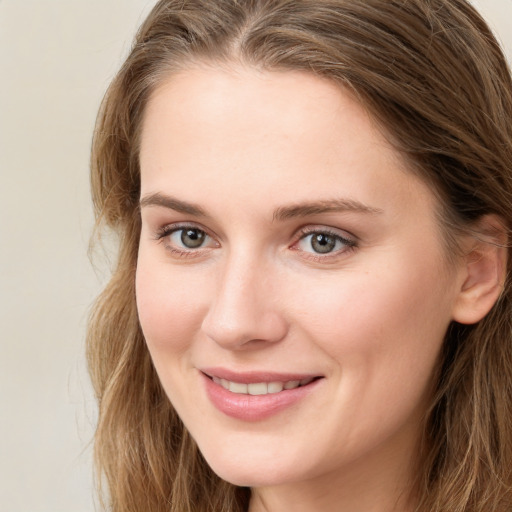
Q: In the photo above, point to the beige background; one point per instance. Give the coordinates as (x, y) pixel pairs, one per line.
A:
(56, 59)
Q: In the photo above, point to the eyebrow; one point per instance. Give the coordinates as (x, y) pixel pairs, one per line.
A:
(326, 206)
(172, 203)
(280, 214)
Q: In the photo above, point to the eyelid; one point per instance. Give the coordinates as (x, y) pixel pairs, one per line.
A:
(350, 242)
(165, 231)
(336, 232)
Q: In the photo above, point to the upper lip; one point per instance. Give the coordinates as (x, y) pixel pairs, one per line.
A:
(251, 377)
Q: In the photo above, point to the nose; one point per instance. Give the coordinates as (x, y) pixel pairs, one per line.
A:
(245, 313)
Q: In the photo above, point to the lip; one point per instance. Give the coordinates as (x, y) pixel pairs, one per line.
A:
(255, 376)
(254, 407)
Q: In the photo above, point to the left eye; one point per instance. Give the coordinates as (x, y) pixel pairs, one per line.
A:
(323, 243)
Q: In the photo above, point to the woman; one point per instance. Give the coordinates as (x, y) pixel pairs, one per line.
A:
(311, 309)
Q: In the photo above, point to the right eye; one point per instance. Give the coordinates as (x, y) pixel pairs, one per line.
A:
(190, 238)
(183, 240)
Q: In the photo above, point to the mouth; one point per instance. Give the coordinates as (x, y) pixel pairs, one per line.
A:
(256, 396)
(261, 388)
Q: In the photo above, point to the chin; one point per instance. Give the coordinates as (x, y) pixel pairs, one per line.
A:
(245, 476)
(259, 469)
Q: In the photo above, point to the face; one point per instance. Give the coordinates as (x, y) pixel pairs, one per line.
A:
(291, 282)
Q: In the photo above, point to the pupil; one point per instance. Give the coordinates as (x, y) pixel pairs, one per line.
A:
(323, 243)
(192, 238)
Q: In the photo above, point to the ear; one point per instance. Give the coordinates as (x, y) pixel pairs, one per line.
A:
(484, 270)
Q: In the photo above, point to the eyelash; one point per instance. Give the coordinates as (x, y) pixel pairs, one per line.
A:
(349, 243)
(167, 231)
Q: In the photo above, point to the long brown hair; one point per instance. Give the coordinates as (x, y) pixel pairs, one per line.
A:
(433, 75)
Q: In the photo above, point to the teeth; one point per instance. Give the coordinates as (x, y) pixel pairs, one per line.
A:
(275, 387)
(235, 387)
(261, 388)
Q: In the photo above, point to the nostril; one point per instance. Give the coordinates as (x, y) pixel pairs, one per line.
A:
(241, 331)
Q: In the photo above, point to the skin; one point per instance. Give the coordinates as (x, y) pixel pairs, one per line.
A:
(369, 316)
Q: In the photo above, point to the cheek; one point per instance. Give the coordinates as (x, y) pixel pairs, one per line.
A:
(382, 335)
(169, 306)
(382, 329)
(359, 312)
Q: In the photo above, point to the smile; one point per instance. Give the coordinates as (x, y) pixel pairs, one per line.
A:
(256, 396)
(261, 388)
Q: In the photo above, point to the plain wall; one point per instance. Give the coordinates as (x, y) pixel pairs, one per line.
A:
(56, 59)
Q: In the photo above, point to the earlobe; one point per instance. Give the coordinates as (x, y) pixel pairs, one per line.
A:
(485, 267)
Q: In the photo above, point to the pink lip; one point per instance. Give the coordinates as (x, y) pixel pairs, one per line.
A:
(253, 407)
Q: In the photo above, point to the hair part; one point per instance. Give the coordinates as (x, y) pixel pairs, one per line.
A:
(432, 75)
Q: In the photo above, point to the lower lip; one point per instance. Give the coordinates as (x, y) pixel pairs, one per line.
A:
(254, 407)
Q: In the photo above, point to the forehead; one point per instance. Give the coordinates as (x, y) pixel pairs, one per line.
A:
(250, 134)
(199, 102)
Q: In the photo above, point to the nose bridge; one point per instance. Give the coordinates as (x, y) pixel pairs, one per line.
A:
(243, 308)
